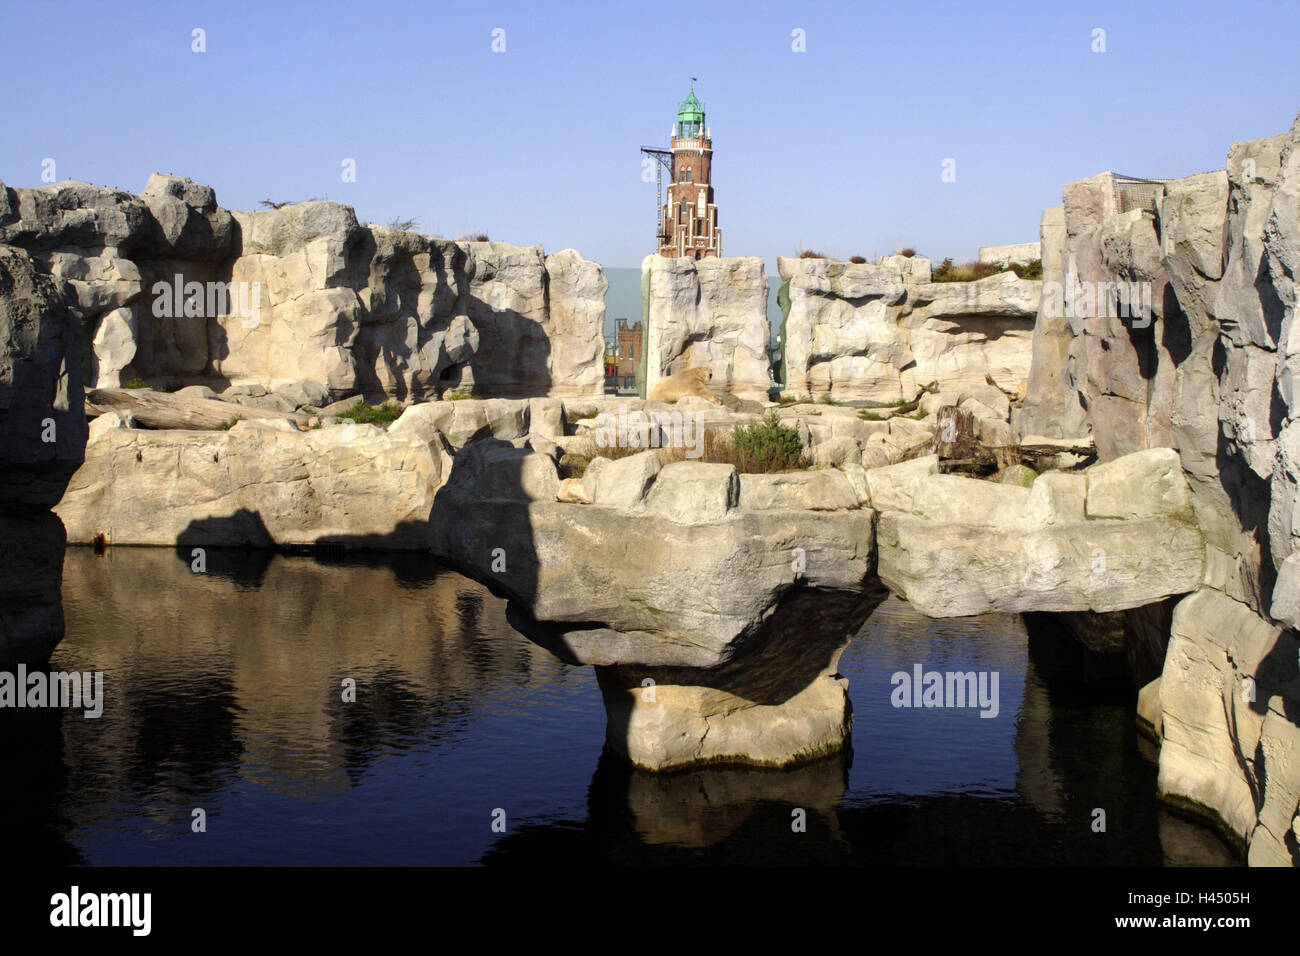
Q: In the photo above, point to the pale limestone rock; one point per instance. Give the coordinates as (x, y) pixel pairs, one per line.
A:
(501, 472)
(1229, 746)
(693, 492)
(1286, 593)
(820, 490)
(894, 487)
(880, 331)
(191, 223)
(835, 452)
(197, 391)
(301, 394)
(857, 476)
(1138, 485)
(711, 312)
(255, 484)
(623, 483)
(955, 546)
(467, 420)
(306, 292)
(573, 491)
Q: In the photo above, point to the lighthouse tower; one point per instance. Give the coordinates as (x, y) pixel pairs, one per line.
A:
(691, 216)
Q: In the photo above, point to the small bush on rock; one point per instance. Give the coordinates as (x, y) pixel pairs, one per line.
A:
(767, 446)
(966, 272)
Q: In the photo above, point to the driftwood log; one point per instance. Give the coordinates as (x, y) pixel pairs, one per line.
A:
(906, 407)
(960, 450)
(162, 410)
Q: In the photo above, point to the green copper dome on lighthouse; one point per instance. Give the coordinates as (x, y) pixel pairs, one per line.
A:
(690, 117)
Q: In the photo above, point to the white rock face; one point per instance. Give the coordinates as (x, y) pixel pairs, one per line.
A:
(1228, 698)
(821, 490)
(956, 546)
(257, 484)
(1018, 252)
(1139, 485)
(1204, 378)
(623, 483)
(174, 287)
(467, 420)
(879, 331)
(708, 313)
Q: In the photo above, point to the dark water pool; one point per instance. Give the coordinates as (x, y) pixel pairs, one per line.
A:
(223, 692)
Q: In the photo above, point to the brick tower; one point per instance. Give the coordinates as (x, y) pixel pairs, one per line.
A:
(690, 216)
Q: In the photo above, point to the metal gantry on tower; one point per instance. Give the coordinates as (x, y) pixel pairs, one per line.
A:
(663, 160)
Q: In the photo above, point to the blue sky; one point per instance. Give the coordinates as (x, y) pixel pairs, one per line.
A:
(839, 148)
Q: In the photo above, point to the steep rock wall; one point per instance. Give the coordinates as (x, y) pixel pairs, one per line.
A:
(708, 313)
(879, 331)
(1207, 370)
(306, 292)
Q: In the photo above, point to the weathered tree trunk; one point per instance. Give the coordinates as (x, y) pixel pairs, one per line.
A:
(954, 435)
(152, 409)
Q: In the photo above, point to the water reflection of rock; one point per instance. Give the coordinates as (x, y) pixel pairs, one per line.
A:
(1079, 718)
(698, 808)
(710, 815)
(31, 578)
(209, 676)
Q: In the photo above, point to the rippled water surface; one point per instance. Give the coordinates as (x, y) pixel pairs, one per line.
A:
(224, 693)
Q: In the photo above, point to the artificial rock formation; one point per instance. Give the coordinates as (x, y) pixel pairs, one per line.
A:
(169, 286)
(260, 483)
(270, 481)
(879, 331)
(709, 312)
(1228, 722)
(42, 428)
(691, 673)
(42, 443)
(1204, 365)
(1113, 537)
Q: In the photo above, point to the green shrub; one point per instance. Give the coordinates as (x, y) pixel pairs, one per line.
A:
(227, 425)
(456, 396)
(136, 382)
(767, 446)
(363, 414)
(1033, 269)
